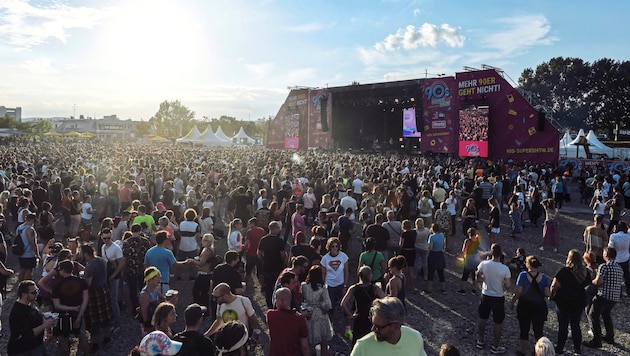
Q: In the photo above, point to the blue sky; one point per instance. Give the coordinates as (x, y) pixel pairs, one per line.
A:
(238, 57)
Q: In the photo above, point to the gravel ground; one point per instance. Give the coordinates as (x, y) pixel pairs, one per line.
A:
(450, 318)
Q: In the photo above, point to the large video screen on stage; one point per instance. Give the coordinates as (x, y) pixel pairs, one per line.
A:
(410, 128)
(473, 131)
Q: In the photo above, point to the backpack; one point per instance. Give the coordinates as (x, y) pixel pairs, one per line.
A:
(17, 247)
(425, 208)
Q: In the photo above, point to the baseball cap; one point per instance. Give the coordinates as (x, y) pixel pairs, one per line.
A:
(194, 312)
(158, 343)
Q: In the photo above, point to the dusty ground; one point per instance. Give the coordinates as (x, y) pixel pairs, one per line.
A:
(449, 318)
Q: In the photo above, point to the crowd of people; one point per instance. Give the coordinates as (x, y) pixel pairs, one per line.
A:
(134, 218)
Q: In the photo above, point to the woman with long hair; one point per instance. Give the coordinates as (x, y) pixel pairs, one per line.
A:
(361, 296)
(469, 215)
(164, 317)
(317, 302)
(568, 288)
(396, 283)
(551, 237)
(205, 265)
(532, 287)
(235, 237)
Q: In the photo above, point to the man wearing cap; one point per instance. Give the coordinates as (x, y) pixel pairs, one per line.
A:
(28, 259)
(193, 342)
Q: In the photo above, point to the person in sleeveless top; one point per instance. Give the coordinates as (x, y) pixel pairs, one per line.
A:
(397, 283)
(361, 296)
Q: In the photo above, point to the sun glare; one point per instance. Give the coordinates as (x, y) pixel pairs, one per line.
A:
(149, 37)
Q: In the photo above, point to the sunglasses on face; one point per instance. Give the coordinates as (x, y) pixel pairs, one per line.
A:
(376, 327)
(334, 246)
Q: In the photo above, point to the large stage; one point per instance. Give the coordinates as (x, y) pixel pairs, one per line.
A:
(472, 114)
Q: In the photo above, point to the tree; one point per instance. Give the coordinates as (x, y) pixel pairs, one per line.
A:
(40, 127)
(173, 119)
(142, 129)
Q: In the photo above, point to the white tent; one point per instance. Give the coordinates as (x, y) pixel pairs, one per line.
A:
(572, 149)
(208, 138)
(191, 136)
(566, 139)
(241, 138)
(221, 135)
(593, 140)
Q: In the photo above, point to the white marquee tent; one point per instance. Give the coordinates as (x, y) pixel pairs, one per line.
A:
(573, 150)
(241, 138)
(191, 136)
(221, 135)
(208, 138)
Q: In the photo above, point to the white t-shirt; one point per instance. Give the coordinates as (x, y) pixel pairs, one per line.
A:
(240, 309)
(357, 186)
(84, 211)
(112, 252)
(495, 274)
(188, 243)
(334, 268)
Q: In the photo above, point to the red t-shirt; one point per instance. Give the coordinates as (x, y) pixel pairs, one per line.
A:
(253, 237)
(286, 328)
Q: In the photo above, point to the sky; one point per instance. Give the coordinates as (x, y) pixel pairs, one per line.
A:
(239, 57)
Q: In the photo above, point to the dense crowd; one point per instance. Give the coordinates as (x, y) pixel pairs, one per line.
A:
(134, 217)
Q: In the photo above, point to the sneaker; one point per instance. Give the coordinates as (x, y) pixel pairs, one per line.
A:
(461, 291)
(497, 349)
(480, 344)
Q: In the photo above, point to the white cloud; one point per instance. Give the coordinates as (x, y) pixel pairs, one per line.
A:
(416, 12)
(300, 76)
(520, 34)
(426, 35)
(25, 25)
(261, 70)
(40, 66)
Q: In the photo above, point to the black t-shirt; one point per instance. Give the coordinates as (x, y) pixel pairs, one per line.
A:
(225, 273)
(69, 291)
(22, 320)
(241, 203)
(378, 233)
(302, 250)
(272, 246)
(194, 344)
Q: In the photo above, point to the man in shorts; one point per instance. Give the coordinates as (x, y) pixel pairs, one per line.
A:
(496, 278)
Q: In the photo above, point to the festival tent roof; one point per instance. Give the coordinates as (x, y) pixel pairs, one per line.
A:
(242, 137)
(566, 139)
(208, 138)
(595, 146)
(593, 140)
(221, 135)
(577, 137)
(191, 136)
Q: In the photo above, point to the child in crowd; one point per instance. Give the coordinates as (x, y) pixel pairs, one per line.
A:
(519, 260)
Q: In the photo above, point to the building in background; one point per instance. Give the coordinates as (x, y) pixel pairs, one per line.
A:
(15, 113)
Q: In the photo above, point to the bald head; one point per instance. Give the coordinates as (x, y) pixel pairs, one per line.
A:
(283, 298)
(222, 288)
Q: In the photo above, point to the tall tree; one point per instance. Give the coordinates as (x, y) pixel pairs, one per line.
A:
(173, 119)
(40, 127)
